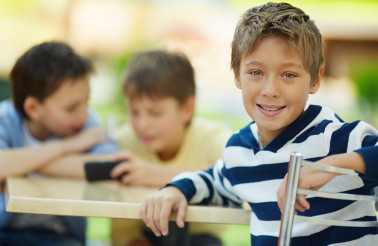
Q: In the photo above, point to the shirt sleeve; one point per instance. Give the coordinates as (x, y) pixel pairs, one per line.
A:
(106, 147)
(370, 156)
(207, 187)
(368, 150)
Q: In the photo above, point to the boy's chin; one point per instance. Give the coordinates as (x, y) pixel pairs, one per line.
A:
(69, 133)
(152, 148)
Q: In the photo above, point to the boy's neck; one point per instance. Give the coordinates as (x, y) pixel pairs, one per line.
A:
(173, 150)
(167, 155)
(268, 136)
(37, 131)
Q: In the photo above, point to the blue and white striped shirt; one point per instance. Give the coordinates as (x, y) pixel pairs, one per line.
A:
(248, 173)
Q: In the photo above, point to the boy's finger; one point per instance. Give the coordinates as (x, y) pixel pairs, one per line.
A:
(119, 169)
(128, 179)
(150, 221)
(181, 213)
(124, 155)
(165, 212)
(303, 203)
(300, 208)
(157, 215)
(281, 193)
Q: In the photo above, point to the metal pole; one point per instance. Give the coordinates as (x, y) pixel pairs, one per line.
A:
(291, 196)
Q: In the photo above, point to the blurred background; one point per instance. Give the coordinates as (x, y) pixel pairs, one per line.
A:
(110, 31)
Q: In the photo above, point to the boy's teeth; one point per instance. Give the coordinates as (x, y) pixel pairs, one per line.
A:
(271, 109)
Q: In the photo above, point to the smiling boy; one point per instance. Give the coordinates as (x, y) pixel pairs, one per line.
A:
(277, 59)
(274, 88)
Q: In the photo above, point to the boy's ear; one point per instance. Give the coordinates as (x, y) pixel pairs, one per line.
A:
(237, 82)
(316, 83)
(188, 108)
(32, 108)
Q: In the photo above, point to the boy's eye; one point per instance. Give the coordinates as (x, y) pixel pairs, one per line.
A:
(71, 108)
(134, 112)
(289, 75)
(255, 73)
(155, 113)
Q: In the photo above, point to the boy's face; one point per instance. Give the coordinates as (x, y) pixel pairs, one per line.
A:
(65, 111)
(159, 123)
(275, 86)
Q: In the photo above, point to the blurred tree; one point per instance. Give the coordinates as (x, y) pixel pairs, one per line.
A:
(365, 76)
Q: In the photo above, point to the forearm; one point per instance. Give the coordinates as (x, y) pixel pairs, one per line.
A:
(23, 160)
(351, 160)
(71, 166)
(206, 187)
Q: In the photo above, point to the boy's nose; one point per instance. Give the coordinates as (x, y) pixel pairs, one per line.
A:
(143, 122)
(271, 88)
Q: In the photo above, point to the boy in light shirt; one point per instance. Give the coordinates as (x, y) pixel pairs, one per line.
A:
(163, 138)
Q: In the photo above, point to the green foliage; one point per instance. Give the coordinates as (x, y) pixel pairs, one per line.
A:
(117, 106)
(365, 76)
(98, 229)
(236, 235)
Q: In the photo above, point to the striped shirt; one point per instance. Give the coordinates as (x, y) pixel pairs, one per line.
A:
(253, 174)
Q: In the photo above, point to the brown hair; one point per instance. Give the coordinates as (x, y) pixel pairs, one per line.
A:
(42, 69)
(159, 74)
(278, 19)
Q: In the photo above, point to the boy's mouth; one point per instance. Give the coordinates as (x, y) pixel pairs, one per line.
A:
(76, 129)
(270, 108)
(147, 139)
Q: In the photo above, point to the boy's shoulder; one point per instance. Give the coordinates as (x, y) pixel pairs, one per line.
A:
(5, 106)
(206, 124)
(204, 128)
(10, 125)
(244, 137)
(8, 112)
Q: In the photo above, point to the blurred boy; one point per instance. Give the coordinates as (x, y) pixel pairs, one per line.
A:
(163, 140)
(47, 129)
(277, 59)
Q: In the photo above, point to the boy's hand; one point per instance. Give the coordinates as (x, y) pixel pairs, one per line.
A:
(84, 140)
(139, 172)
(309, 178)
(157, 208)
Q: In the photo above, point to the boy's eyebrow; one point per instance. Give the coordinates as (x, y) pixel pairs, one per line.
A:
(290, 64)
(254, 63)
(284, 65)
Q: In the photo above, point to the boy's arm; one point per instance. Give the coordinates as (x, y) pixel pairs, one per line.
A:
(141, 172)
(359, 143)
(23, 160)
(315, 179)
(205, 187)
(71, 166)
(200, 187)
(20, 161)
